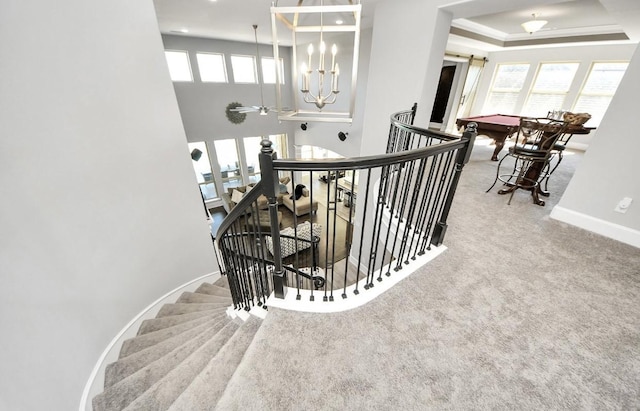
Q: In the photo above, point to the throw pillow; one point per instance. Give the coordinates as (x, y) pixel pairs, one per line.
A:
(576, 119)
(236, 196)
(298, 191)
(283, 189)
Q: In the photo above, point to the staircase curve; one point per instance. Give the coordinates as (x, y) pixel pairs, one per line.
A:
(359, 220)
(184, 358)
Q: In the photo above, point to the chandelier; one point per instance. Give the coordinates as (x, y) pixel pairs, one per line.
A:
(317, 32)
(320, 99)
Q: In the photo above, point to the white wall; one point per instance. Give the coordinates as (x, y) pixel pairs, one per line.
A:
(101, 213)
(585, 55)
(609, 170)
(202, 105)
(406, 58)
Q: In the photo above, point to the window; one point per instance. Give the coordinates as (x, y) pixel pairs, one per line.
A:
(211, 67)
(179, 68)
(550, 88)
(244, 69)
(269, 70)
(280, 145)
(507, 83)
(227, 154)
(252, 151)
(202, 167)
(315, 152)
(598, 90)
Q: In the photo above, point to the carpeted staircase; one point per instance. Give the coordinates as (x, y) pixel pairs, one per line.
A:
(183, 358)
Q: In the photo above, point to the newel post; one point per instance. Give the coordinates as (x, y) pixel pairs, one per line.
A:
(271, 187)
(469, 137)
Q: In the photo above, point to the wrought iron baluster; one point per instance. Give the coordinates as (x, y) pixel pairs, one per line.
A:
(411, 225)
(392, 211)
(417, 202)
(433, 200)
(422, 215)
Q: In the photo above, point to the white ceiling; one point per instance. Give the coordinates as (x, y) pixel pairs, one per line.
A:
(570, 15)
(233, 19)
(567, 20)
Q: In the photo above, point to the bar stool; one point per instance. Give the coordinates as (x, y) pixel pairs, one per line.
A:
(535, 141)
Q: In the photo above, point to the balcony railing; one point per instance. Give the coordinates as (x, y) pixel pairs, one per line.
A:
(356, 221)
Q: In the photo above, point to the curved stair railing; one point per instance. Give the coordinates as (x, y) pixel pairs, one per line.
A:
(358, 220)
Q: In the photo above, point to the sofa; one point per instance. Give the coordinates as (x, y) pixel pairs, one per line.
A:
(228, 197)
(302, 205)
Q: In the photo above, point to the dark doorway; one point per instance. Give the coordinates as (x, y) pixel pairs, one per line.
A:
(442, 94)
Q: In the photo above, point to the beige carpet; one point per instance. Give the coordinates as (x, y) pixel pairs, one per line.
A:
(521, 312)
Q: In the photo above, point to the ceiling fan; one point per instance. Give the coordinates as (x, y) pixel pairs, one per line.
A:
(261, 109)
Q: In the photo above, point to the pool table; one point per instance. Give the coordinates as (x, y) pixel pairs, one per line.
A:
(499, 127)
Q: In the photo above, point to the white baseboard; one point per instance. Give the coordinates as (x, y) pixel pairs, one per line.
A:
(95, 384)
(611, 230)
(577, 146)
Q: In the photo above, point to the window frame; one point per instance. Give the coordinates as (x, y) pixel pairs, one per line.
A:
(205, 181)
(516, 92)
(255, 68)
(564, 94)
(186, 53)
(275, 80)
(596, 121)
(224, 66)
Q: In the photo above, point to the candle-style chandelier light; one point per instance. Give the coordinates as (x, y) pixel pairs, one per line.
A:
(317, 75)
(320, 99)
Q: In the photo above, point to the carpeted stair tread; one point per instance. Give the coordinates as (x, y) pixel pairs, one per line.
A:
(163, 393)
(207, 388)
(156, 324)
(212, 289)
(146, 340)
(189, 297)
(122, 393)
(184, 308)
(129, 364)
(222, 282)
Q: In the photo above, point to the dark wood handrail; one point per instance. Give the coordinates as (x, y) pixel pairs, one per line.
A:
(239, 209)
(418, 175)
(359, 163)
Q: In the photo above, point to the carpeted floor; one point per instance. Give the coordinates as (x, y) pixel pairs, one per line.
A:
(521, 312)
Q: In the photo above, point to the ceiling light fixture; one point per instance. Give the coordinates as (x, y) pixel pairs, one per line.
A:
(316, 73)
(534, 25)
(321, 98)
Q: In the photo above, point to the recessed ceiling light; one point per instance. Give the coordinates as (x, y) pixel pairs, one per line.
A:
(339, 22)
